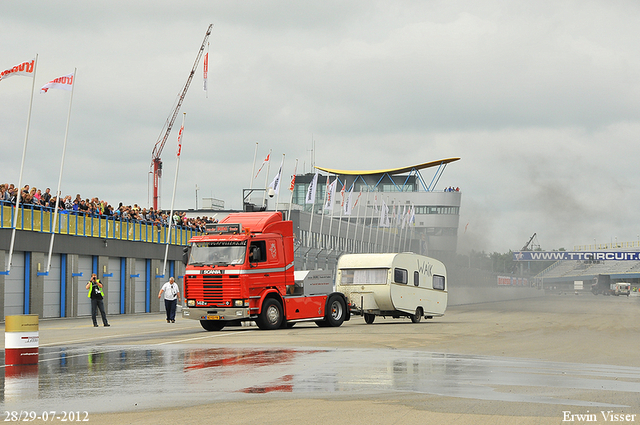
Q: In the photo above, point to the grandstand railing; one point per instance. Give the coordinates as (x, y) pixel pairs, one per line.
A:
(40, 219)
(612, 245)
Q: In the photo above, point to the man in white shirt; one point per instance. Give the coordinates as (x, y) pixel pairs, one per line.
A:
(171, 298)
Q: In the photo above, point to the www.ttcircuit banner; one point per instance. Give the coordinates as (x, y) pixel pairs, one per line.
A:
(580, 255)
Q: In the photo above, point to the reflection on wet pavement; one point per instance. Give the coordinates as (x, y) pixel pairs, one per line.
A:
(131, 378)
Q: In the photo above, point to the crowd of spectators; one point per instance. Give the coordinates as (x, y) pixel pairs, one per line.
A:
(34, 198)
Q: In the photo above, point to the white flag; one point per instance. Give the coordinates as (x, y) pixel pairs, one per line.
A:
(348, 206)
(412, 215)
(311, 192)
(384, 215)
(64, 83)
(404, 216)
(331, 194)
(275, 184)
(25, 68)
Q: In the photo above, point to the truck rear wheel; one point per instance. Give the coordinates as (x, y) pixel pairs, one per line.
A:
(212, 325)
(336, 311)
(415, 318)
(369, 318)
(271, 315)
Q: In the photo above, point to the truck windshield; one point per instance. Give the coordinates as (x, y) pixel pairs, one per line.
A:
(218, 253)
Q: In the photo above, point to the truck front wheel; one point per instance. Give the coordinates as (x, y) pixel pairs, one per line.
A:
(212, 325)
(336, 311)
(271, 315)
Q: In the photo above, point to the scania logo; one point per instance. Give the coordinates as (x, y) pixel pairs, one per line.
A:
(208, 271)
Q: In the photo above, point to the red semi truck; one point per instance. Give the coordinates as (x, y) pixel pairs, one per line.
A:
(242, 270)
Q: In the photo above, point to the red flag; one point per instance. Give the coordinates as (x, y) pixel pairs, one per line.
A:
(265, 161)
(293, 179)
(180, 140)
(206, 69)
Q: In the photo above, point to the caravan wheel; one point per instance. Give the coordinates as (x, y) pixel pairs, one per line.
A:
(369, 318)
(415, 318)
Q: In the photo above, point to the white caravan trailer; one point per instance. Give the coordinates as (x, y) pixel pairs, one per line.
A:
(402, 284)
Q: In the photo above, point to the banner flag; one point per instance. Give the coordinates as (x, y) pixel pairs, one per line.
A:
(264, 162)
(311, 192)
(331, 194)
(384, 215)
(25, 69)
(348, 206)
(293, 179)
(275, 184)
(65, 83)
(357, 199)
(180, 140)
(205, 69)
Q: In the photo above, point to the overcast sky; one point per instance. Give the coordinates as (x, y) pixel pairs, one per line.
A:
(539, 99)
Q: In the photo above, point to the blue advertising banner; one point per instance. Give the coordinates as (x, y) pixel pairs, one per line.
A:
(579, 255)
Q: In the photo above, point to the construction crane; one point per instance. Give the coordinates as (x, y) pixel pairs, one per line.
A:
(156, 162)
(526, 246)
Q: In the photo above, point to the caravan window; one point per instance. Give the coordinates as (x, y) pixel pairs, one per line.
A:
(364, 276)
(400, 276)
(416, 278)
(438, 282)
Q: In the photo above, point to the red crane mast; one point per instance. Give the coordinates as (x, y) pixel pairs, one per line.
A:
(156, 162)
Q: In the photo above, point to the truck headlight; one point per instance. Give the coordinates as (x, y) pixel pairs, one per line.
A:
(238, 303)
(191, 303)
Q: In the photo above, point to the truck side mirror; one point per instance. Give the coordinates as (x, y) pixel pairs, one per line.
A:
(185, 255)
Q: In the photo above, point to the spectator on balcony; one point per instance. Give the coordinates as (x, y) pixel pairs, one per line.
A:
(46, 197)
(4, 193)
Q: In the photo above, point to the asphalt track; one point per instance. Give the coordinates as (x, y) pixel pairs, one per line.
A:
(535, 361)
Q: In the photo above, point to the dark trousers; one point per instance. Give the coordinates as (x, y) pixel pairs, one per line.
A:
(95, 305)
(170, 306)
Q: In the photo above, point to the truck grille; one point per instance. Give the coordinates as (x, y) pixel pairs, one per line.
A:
(212, 289)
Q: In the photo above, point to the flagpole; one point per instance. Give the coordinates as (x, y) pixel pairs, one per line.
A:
(373, 211)
(173, 196)
(333, 201)
(364, 220)
(279, 183)
(349, 198)
(295, 169)
(388, 246)
(341, 211)
(24, 153)
(58, 191)
(324, 202)
(313, 207)
(355, 232)
(253, 169)
(379, 223)
(266, 179)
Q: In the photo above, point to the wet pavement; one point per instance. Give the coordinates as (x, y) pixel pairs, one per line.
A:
(125, 378)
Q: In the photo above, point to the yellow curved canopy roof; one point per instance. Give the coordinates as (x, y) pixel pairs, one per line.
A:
(390, 170)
